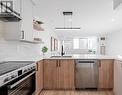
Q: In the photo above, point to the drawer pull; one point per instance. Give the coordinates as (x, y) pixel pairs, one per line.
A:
(99, 63)
(57, 63)
(37, 66)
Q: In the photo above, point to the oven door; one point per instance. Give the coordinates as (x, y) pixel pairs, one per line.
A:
(24, 85)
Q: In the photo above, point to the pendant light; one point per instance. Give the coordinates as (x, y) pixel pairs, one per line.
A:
(65, 14)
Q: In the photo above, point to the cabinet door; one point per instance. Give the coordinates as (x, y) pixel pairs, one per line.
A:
(66, 74)
(50, 74)
(117, 78)
(12, 30)
(27, 20)
(105, 74)
(39, 77)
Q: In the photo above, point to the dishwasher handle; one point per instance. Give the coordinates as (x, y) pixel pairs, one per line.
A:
(85, 61)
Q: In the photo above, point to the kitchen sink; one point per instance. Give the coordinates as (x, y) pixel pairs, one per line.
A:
(61, 56)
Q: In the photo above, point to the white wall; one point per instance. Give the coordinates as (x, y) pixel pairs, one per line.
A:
(114, 43)
(1, 28)
(46, 38)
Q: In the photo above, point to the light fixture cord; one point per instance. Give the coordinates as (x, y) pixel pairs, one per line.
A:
(64, 22)
(71, 21)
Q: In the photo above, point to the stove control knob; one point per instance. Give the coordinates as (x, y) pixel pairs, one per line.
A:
(6, 79)
(25, 70)
(13, 76)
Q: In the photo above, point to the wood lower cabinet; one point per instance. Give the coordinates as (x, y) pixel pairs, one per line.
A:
(59, 74)
(105, 79)
(50, 74)
(66, 74)
(39, 77)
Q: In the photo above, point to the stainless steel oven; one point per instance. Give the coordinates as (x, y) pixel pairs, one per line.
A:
(17, 78)
(24, 85)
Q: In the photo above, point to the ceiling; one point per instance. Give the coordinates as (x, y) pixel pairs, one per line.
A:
(93, 16)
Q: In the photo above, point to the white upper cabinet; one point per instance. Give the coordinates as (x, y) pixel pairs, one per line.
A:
(12, 31)
(22, 30)
(27, 20)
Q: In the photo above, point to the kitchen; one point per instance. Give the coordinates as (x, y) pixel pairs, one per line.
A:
(60, 47)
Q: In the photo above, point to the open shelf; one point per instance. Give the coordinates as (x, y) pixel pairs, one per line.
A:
(37, 26)
(35, 41)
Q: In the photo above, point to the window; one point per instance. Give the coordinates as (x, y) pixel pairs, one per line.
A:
(92, 43)
(67, 45)
(89, 43)
(75, 43)
(85, 43)
(81, 43)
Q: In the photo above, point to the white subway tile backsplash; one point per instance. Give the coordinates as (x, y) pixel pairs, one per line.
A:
(18, 51)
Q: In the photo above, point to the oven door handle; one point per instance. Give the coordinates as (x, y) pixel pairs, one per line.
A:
(18, 82)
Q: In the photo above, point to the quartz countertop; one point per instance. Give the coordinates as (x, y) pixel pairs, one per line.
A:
(119, 57)
(75, 56)
(85, 56)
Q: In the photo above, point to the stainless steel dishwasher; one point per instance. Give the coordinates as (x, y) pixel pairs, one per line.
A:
(86, 74)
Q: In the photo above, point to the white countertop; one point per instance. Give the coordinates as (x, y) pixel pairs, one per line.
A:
(119, 57)
(86, 56)
(75, 56)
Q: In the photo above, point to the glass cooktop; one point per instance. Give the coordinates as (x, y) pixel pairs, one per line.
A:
(6, 67)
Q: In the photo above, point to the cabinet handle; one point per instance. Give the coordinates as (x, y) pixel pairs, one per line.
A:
(99, 63)
(59, 64)
(56, 64)
(23, 34)
(76, 69)
(37, 66)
